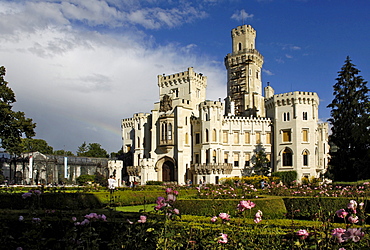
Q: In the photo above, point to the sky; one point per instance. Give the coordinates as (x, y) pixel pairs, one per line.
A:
(79, 67)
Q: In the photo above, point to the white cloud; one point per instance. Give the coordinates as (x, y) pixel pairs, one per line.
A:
(288, 56)
(267, 72)
(78, 83)
(241, 15)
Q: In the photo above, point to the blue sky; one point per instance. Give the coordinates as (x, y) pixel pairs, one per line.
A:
(79, 67)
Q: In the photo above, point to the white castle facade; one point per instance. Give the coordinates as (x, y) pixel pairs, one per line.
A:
(186, 137)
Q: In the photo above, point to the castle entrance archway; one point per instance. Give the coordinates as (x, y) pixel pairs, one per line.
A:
(168, 171)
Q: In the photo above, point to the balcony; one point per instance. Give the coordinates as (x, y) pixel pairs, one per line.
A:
(205, 169)
(133, 170)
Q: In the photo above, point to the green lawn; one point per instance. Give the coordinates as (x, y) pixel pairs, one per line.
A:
(147, 208)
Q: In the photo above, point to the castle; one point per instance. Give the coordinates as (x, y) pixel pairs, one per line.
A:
(188, 138)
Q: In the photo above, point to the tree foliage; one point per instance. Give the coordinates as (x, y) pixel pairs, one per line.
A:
(85, 178)
(350, 110)
(118, 155)
(36, 145)
(92, 150)
(261, 164)
(13, 125)
(63, 152)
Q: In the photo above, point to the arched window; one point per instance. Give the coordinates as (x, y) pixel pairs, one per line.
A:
(240, 46)
(207, 138)
(287, 157)
(207, 156)
(214, 156)
(214, 135)
(163, 132)
(305, 158)
(169, 131)
(138, 142)
(186, 138)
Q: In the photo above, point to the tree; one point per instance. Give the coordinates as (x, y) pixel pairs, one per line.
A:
(85, 178)
(92, 150)
(261, 165)
(63, 152)
(36, 145)
(13, 125)
(350, 110)
(118, 155)
(81, 151)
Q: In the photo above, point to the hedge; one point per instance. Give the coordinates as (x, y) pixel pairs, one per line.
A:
(309, 208)
(62, 201)
(272, 208)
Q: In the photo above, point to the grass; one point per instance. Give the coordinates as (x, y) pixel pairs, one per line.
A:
(147, 208)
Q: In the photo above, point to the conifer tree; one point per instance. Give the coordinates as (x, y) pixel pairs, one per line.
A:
(261, 164)
(350, 122)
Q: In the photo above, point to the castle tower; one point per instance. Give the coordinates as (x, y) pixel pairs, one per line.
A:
(244, 83)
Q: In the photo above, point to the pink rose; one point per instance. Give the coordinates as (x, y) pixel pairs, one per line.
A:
(245, 205)
(353, 219)
(341, 213)
(223, 238)
(337, 234)
(142, 219)
(224, 216)
(213, 219)
(302, 233)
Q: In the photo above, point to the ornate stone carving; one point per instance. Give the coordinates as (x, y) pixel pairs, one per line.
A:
(165, 104)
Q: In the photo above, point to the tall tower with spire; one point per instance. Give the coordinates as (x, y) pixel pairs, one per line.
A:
(244, 83)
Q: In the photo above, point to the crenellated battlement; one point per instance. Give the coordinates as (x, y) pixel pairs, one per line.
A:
(211, 104)
(242, 57)
(296, 97)
(128, 123)
(180, 78)
(240, 30)
(246, 119)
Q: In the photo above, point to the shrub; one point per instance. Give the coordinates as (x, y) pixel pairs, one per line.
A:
(154, 183)
(271, 207)
(287, 177)
(85, 178)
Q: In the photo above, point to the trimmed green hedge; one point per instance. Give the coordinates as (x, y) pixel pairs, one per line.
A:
(308, 208)
(272, 208)
(128, 197)
(50, 201)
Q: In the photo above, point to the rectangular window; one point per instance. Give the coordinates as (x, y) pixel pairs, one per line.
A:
(226, 156)
(197, 138)
(247, 160)
(305, 135)
(268, 138)
(236, 137)
(176, 92)
(304, 115)
(247, 136)
(236, 160)
(286, 136)
(225, 137)
(197, 158)
(258, 137)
